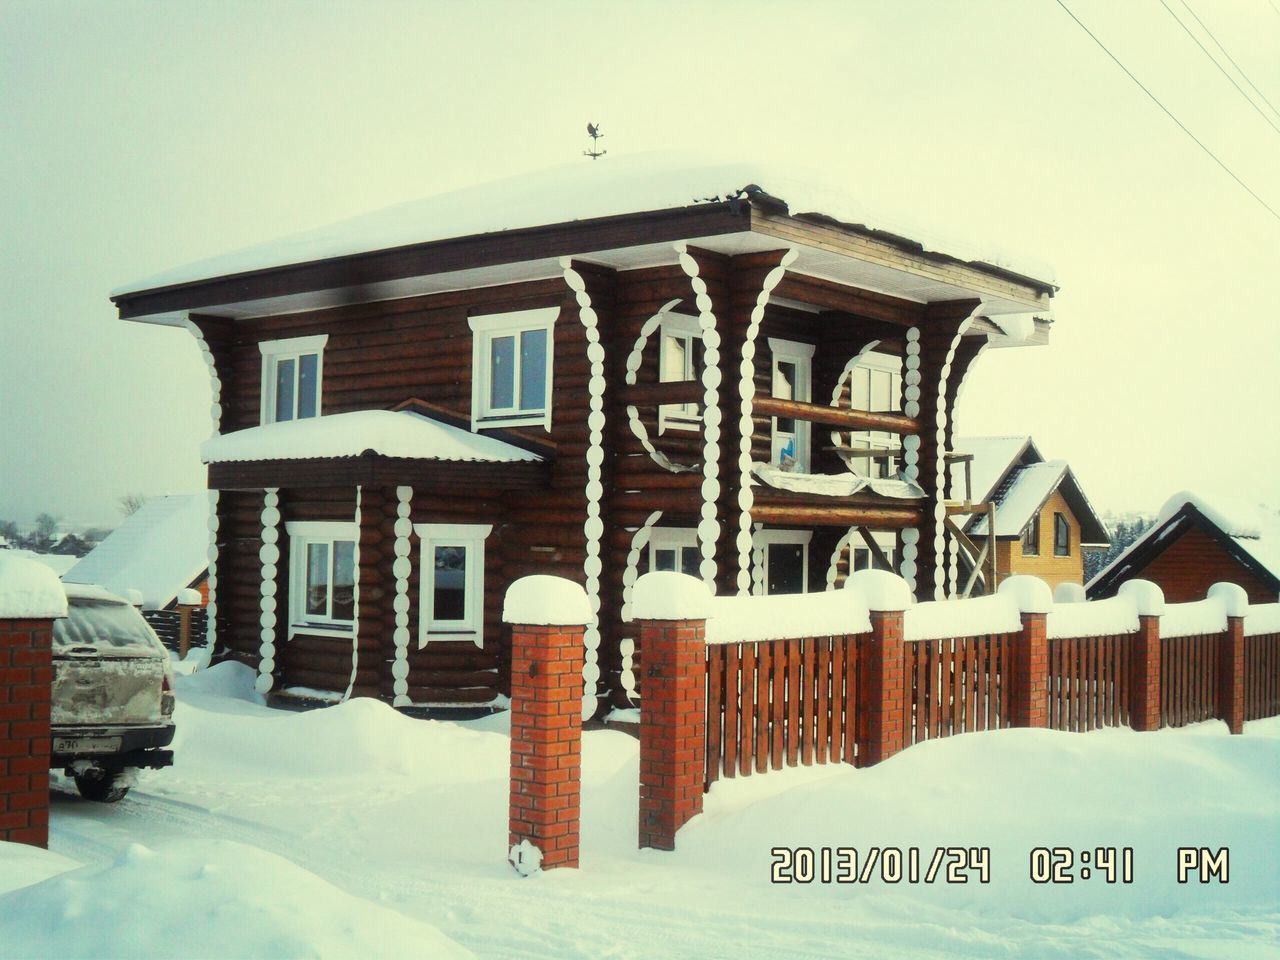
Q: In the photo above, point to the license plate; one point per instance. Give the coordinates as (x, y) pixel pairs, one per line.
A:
(86, 744)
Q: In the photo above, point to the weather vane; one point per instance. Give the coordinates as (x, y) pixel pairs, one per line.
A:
(594, 153)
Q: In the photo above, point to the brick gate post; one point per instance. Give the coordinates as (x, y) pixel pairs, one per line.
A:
(1144, 655)
(1029, 691)
(1231, 654)
(882, 688)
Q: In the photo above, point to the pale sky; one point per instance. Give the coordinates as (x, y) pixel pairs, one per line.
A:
(138, 136)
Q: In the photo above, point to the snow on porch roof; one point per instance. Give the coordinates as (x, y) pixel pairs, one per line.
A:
(158, 550)
(390, 433)
(582, 191)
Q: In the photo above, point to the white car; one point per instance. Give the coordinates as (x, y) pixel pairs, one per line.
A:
(112, 709)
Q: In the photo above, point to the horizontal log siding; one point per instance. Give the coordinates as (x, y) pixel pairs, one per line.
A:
(958, 685)
(780, 703)
(1089, 682)
(1262, 676)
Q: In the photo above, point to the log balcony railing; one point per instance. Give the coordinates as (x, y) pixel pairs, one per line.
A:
(855, 675)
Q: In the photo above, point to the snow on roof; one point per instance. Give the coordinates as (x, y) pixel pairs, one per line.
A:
(156, 551)
(59, 563)
(992, 457)
(1253, 527)
(577, 191)
(29, 590)
(1029, 488)
(387, 432)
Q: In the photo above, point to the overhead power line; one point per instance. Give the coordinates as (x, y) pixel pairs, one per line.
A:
(1240, 70)
(1154, 99)
(1214, 61)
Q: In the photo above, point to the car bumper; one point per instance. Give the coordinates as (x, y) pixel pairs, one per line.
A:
(137, 747)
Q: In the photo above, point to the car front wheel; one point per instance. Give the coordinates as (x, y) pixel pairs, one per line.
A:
(108, 786)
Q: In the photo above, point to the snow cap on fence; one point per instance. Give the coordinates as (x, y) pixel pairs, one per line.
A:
(881, 590)
(786, 616)
(1264, 618)
(29, 590)
(666, 595)
(1145, 595)
(1031, 594)
(134, 597)
(189, 598)
(1232, 596)
(1068, 592)
(546, 601)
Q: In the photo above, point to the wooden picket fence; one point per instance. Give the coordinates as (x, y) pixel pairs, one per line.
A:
(1189, 682)
(1262, 676)
(780, 702)
(1089, 682)
(958, 685)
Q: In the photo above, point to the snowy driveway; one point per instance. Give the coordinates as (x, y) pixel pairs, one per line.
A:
(411, 815)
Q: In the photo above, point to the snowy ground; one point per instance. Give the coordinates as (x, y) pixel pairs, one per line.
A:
(354, 831)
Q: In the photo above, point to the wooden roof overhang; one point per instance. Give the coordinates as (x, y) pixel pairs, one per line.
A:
(831, 257)
(371, 469)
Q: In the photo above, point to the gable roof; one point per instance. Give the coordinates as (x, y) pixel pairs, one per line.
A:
(389, 433)
(158, 550)
(1249, 532)
(1010, 472)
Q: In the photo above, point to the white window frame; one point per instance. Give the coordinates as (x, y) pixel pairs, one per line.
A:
(876, 362)
(484, 328)
(275, 351)
(761, 540)
(304, 532)
(671, 538)
(679, 416)
(472, 536)
(801, 355)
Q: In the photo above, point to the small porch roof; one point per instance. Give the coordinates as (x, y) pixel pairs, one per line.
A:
(395, 434)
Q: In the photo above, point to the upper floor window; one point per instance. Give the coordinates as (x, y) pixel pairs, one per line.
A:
(291, 374)
(1031, 537)
(792, 380)
(322, 577)
(511, 368)
(875, 385)
(674, 549)
(1061, 536)
(678, 363)
(452, 568)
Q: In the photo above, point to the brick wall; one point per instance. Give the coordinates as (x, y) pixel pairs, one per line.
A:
(26, 678)
(546, 741)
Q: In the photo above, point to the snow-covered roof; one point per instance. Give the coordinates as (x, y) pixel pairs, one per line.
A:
(389, 433)
(158, 550)
(582, 191)
(836, 484)
(1253, 528)
(1025, 494)
(992, 458)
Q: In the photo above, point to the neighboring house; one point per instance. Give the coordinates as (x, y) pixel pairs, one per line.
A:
(1198, 541)
(1044, 521)
(589, 371)
(156, 552)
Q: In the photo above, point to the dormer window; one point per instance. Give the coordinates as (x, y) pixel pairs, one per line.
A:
(678, 363)
(291, 375)
(511, 368)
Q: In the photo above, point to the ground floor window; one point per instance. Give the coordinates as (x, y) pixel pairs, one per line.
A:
(322, 577)
(674, 549)
(451, 605)
(782, 559)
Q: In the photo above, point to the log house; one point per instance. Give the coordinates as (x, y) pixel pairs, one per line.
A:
(589, 373)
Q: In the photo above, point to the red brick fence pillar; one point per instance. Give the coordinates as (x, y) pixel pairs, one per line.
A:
(1029, 691)
(547, 616)
(1231, 653)
(671, 610)
(882, 686)
(31, 597)
(1144, 656)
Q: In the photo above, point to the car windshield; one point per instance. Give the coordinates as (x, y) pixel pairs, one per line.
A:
(101, 623)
